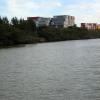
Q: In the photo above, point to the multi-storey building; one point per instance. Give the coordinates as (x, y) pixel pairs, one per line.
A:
(40, 21)
(63, 21)
(89, 26)
(98, 26)
(57, 21)
(43, 21)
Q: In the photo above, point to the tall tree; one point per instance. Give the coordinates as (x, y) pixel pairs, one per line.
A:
(1, 21)
(14, 21)
(5, 20)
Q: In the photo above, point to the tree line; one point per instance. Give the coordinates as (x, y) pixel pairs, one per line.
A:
(17, 31)
(20, 31)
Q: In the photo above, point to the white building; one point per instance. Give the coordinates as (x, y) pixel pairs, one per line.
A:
(63, 21)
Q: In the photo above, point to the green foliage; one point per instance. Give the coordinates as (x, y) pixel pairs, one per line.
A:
(14, 21)
(17, 32)
(20, 31)
(1, 21)
(70, 33)
(5, 20)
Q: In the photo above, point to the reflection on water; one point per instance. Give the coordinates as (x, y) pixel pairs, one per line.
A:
(51, 71)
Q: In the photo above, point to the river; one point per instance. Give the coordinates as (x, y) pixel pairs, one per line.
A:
(68, 70)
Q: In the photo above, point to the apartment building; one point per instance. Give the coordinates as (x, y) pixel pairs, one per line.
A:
(63, 21)
(98, 26)
(89, 26)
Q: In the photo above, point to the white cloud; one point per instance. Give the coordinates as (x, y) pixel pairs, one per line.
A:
(29, 7)
(84, 12)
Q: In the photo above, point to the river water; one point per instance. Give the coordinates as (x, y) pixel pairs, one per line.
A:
(67, 70)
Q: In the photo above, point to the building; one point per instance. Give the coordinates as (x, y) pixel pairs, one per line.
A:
(62, 21)
(33, 18)
(57, 21)
(89, 26)
(40, 21)
(98, 26)
(43, 21)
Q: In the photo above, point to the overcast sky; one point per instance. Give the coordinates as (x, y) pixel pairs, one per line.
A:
(83, 10)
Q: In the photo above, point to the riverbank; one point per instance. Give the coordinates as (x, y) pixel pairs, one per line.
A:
(19, 32)
(23, 45)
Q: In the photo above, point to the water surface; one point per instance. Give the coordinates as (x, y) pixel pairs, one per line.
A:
(51, 71)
